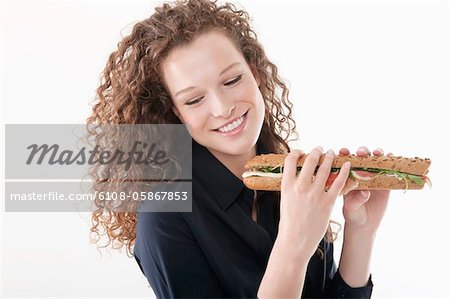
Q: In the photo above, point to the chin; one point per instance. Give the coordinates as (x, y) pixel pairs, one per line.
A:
(236, 147)
(235, 151)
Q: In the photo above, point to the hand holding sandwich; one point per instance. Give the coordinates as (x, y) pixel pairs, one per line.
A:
(305, 211)
(363, 211)
(305, 206)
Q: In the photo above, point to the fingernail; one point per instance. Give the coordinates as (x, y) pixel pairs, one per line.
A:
(330, 152)
(297, 152)
(319, 148)
(346, 164)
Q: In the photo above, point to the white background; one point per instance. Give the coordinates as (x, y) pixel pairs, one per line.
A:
(360, 73)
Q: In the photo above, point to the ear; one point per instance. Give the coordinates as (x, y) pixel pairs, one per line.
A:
(256, 75)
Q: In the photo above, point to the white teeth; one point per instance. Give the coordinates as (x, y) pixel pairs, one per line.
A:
(232, 126)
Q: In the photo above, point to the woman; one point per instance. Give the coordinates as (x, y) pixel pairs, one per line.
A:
(200, 64)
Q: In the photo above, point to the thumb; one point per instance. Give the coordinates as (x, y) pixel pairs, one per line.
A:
(356, 199)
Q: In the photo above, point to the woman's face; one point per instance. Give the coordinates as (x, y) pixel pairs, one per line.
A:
(215, 93)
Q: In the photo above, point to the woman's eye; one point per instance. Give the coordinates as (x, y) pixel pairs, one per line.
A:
(234, 81)
(194, 101)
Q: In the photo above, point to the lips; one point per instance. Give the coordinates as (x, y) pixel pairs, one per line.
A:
(230, 122)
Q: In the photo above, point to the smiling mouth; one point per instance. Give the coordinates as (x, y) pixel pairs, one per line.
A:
(231, 124)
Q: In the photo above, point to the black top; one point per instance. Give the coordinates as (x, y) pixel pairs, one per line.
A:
(217, 250)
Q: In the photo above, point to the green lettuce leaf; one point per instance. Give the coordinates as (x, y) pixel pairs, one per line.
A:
(399, 175)
(416, 179)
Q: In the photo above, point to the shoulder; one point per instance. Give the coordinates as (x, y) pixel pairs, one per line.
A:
(159, 233)
(159, 224)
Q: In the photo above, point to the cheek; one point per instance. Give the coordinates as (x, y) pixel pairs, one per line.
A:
(194, 119)
(250, 93)
(254, 99)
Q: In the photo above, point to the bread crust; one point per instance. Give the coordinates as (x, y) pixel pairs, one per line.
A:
(416, 165)
(381, 182)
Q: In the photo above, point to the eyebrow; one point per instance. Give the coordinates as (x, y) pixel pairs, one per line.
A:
(221, 73)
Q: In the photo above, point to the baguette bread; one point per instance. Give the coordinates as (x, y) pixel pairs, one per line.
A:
(378, 183)
(415, 165)
(394, 172)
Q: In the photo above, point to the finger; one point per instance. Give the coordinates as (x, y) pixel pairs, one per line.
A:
(344, 151)
(324, 170)
(290, 167)
(390, 154)
(340, 180)
(310, 164)
(349, 186)
(363, 151)
(378, 152)
(354, 201)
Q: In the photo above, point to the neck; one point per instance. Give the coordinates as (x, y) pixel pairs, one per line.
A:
(235, 163)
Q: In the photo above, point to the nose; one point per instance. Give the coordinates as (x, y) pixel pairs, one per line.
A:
(221, 107)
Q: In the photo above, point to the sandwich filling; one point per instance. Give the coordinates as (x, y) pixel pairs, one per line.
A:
(361, 174)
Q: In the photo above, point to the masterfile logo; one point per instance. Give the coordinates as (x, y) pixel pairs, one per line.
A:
(81, 167)
(53, 155)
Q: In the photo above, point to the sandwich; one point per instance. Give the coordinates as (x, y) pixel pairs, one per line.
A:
(264, 172)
